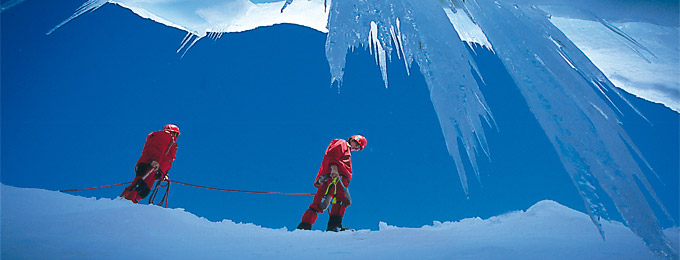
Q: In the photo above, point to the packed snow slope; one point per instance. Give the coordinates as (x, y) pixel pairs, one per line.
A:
(42, 224)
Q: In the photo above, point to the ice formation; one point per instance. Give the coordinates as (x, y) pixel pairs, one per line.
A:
(572, 99)
(202, 18)
(568, 94)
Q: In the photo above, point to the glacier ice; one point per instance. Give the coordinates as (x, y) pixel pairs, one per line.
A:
(568, 94)
(572, 99)
(435, 47)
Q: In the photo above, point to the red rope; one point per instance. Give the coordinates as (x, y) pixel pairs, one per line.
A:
(203, 187)
(246, 191)
(97, 187)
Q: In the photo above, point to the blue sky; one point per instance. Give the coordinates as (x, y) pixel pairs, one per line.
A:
(256, 113)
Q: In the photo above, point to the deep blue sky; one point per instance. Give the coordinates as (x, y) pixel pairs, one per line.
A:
(256, 112)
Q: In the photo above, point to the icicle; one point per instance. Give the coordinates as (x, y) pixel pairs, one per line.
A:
(400, 48)
(7, 5)
(602, 90)
(90, 5)
(191, 45)
(394, 40)
(288, 2)
(599, 110)
(185, 41)
(378, 51)
(581, 124)
(444, 62)
(214, 35)
(629, 39)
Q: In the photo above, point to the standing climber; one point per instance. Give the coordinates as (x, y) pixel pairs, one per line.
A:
(157, 157)
(332, 182)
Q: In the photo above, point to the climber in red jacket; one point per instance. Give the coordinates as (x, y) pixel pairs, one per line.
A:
(157, 157)
(332, 182)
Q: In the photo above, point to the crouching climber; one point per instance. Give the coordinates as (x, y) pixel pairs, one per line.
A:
(157, 157)
(332, 182)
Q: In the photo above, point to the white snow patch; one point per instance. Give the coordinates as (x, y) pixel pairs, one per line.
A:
(41, 224)
(203, 16)
(653, 75)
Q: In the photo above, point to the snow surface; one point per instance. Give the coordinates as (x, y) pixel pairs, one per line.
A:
(42, 224)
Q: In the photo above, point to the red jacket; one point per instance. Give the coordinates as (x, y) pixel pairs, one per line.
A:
(160, 146)
(337, 153)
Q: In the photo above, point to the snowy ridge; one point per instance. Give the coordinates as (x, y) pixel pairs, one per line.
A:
(201, 18)
(41, 224)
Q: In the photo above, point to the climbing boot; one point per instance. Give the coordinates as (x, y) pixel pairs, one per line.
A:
(335, 224)
(304, 226)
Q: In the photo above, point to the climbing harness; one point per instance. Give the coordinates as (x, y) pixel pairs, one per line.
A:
(152, 198)
(335, 188)
(329, 199)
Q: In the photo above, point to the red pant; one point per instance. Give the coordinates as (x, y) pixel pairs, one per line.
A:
(341, 201)
(142, 184)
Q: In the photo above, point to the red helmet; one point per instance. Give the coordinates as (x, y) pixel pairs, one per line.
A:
(359, 139)
(171, 128)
